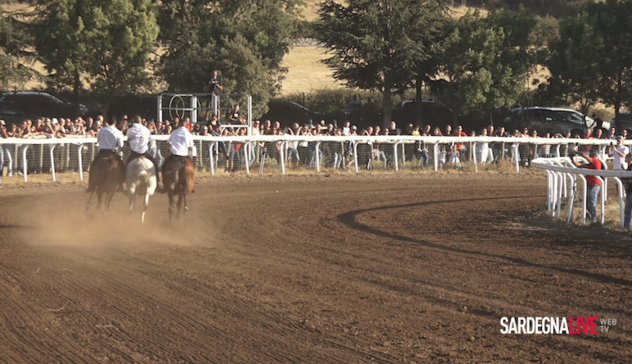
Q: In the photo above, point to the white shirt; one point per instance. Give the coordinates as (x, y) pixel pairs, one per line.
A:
(138, 137)
(110, 138)
(180, 140)
(619, 161)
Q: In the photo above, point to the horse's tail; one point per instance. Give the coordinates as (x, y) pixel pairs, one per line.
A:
(179, 174)
(106, 172)
(189, 172)
(140, 170)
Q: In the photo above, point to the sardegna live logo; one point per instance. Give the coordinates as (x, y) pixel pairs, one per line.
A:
(572, 325)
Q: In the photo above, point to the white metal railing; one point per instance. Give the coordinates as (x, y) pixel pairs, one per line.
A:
(561, 171)
(84, 148)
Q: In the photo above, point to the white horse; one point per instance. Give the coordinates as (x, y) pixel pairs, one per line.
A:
(141, 179)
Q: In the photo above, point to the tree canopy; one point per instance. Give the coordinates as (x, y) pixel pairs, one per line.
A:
(244, 39)
(106, 41)
(380, 45)
(486, 61)
(15, 57)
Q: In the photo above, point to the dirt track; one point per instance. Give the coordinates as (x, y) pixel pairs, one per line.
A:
(308, 269)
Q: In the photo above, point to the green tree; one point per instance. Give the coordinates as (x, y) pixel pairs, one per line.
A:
(575, 71)
(381, 44)
(107, 42)
(592, 60)
(486, 61)
(612, 23)
(15, 58)
(244, 39)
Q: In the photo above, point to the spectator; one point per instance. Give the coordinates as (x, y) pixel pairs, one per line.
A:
(619, 152)
(292, 146)
(3, 135)
(80, 128)
(235, 115)
(482, 149)
(592, 182)
(628, 188)
(215, 87)
(346, 129)
(545, 150)
(598, 122)
(9, 149)
(459, 146)
(337, 148)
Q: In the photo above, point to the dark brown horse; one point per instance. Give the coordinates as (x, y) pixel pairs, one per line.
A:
(106, 174)
(178, 176)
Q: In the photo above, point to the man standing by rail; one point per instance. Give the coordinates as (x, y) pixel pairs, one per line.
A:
(593, 183)
(628, 200)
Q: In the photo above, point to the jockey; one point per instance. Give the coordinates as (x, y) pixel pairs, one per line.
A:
(139, 139)
(181, 140)
(108, 139)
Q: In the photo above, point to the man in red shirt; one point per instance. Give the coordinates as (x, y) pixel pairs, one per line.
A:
(459, 146)
(593, 183)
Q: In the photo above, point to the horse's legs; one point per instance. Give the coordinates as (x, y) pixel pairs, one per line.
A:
(89, 199)
(186, 208)
(99, 198)
(145, 206)
(131, 195)
(171, 206)
(108, 200)
(179, 205)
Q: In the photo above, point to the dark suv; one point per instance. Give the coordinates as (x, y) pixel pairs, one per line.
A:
(288, 112)
(551, 120)
(433, 113)
(18, 106)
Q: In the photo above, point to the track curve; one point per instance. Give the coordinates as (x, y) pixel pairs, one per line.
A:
(308, 269)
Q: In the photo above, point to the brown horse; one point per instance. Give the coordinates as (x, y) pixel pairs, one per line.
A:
(106, 174)
(178, 176)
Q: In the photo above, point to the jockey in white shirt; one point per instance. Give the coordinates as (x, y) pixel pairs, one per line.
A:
(139, 139)
(108, 139)
(181, 140)
(181, 145)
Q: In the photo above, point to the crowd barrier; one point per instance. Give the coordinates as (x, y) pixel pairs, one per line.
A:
(563, 177)
(74, 154)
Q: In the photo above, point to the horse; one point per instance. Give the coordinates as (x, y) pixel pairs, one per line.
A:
(106, 174)
(178, 175)
(140, 179)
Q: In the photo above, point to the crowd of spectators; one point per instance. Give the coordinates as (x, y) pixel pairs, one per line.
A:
(338, 155)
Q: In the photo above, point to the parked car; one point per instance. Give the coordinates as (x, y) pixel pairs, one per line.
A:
(551, 120)
(433, 113)
(288, 112)
(18, 106)
(622, 122)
